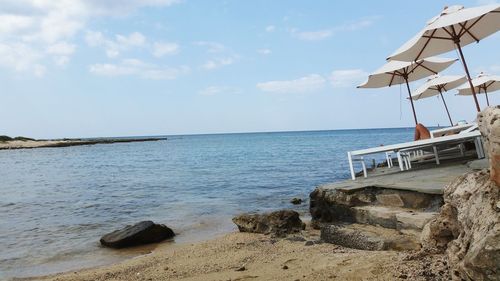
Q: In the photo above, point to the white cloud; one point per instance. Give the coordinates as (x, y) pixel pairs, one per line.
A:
(135, 67)
(61, 48)
(212, 47)
(21, 57)
(264, 51)
(217, 63)
(37, 25)
(113, 47)
(322, 34)
(348, 78)
(125, 6)
(61, 52)
(224, 55)
(309, 83)
(134, 39)
(312, 35)
(270, 28)
(216, 90)
(14, 23)
(163, 49)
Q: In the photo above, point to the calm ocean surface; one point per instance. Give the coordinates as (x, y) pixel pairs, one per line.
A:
(55, 203)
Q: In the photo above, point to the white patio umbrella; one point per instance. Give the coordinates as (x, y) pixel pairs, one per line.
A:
(483, 84)
(454, 28)
(399, 72)
(436, 85)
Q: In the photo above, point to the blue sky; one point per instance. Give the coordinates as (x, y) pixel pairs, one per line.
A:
(84, 68)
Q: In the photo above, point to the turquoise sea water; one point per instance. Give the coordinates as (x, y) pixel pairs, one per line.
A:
(55, 203)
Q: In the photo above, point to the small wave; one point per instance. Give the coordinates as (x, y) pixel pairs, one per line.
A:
(7, 205)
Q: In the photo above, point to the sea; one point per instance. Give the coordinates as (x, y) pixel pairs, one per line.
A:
(56, 203)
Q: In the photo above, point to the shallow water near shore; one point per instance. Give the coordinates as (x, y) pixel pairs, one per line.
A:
(55, 203)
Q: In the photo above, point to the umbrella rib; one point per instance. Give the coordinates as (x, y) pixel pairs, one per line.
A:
(425, 45)
(467, 29)
(395, 72)
(437, 37)
(392, 79)
(462, 28)
(428, 69)
(449, 33)
(417, 65)
(491, 83)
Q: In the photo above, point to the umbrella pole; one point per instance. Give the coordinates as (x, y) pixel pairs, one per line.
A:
(468, 75)
(446, 107)
(486, 94)
(411, 100)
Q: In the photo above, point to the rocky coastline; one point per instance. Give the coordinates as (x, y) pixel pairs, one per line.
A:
(31, 143)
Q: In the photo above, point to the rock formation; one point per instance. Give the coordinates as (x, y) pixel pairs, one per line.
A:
(489, 125)
(279, 223)
(467, 229)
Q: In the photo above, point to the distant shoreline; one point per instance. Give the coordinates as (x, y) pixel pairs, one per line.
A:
(30, 144)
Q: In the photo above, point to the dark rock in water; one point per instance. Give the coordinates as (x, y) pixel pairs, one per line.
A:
(144, 232)
(279, 223)
(296, 201)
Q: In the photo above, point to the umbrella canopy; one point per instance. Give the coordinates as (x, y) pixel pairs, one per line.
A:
(436, 85)
(483, 84)
(453, 28)
(399, 72)
(394, 72)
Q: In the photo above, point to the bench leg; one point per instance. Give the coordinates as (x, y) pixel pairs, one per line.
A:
(365, 174)
(400, 161)
(409, 162)
(436, 154)
(389, 162)
(349, 157)
(479, 148)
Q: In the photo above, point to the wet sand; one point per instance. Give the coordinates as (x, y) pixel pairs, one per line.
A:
(245, 256)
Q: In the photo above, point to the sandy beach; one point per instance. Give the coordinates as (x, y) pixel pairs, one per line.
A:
(245, 256)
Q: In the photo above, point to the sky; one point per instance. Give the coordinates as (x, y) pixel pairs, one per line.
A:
(96, 68)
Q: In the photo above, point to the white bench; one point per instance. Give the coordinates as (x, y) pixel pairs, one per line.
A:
(453, 130)
(357, 155)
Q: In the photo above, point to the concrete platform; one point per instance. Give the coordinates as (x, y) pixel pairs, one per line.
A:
(426, 178)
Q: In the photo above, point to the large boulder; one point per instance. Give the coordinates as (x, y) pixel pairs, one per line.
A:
(144, 232)
(489, 125)
(279, 223)
(468, 228)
